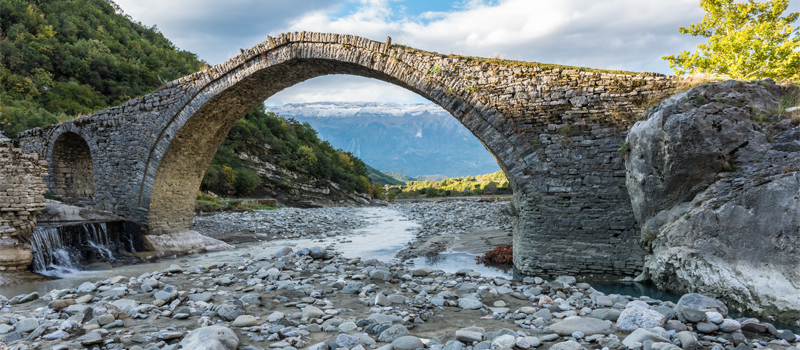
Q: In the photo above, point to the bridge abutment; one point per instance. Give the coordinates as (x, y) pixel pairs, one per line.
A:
(554, 131)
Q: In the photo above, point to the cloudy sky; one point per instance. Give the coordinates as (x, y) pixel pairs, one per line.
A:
(617, 34)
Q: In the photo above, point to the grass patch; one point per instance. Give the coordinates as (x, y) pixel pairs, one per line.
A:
(53, 197)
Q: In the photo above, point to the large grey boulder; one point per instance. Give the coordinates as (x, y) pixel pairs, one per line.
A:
(693, 305)
(210, 338)
(637, 317)
(718, 203)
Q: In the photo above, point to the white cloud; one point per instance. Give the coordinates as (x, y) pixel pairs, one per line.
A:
(343, 88)
(620, 34)
(615, 34)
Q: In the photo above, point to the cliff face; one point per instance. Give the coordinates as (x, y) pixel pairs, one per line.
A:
(297, 190)
(718, 196)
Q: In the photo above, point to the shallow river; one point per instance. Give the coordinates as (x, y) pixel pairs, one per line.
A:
(386, 233)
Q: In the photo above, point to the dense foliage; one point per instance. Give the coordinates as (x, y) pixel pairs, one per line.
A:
(63, 59)
(494, 183)
(746, 40)
(286, 143)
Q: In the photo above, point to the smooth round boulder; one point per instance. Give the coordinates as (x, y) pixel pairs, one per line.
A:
(244, 321)
(210, 338)
(408, 342)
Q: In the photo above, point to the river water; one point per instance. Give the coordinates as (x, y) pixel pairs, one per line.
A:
(386, 232)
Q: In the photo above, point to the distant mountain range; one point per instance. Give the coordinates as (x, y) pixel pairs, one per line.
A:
(411, 139)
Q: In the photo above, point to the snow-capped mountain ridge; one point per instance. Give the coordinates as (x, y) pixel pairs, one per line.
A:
(411, 139)
(350, 109)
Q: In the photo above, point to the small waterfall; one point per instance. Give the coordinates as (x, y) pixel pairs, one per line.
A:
(64, 250)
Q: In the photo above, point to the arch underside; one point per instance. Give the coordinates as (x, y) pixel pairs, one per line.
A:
(190, 151)
(71, 168)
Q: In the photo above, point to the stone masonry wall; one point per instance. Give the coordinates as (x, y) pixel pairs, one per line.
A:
(21, 189)
(554, 131)
(72, 177)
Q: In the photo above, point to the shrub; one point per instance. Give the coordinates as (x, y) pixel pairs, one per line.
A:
(246, 181)
(503, 254)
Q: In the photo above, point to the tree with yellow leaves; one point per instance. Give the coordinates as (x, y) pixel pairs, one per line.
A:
(746, 40)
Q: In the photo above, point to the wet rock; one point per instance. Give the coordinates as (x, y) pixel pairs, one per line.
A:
(210, 338)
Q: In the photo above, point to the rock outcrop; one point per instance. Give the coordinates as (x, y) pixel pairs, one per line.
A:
(296, 190)
(718, 203)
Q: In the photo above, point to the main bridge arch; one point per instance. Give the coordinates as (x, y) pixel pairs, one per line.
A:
(554, 131)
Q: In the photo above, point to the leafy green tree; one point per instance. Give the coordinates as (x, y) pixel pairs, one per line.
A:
(246, 181)
(746, 40)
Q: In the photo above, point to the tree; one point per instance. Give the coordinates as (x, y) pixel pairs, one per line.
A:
(746, 40)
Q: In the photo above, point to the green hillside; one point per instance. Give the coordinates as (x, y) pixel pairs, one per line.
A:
(62, 59)
(286, 143)
(380, 176)
(399, 177)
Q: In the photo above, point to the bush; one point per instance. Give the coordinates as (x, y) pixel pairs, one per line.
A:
(503, 254)
(246, 181)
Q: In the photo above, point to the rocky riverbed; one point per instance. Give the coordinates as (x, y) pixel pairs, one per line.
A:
(465, 225)
(314, 298)
(285, 223)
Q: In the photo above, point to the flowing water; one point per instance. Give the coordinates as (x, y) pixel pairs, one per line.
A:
(64, 251)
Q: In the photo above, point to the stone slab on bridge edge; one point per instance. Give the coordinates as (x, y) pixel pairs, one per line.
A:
(554, 131)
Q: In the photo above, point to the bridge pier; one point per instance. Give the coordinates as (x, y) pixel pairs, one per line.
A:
(554, 130)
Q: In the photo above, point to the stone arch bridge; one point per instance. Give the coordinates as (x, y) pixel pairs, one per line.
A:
(554, 130)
